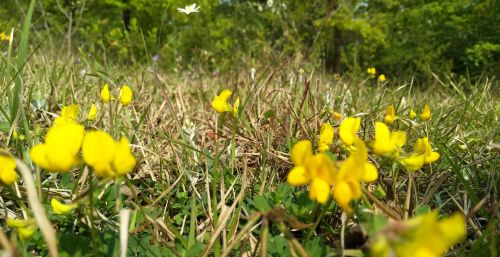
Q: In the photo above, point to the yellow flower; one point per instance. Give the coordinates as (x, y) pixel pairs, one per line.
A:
(422, 154)
(18, 136)
(4, 37)
(412, 114)
(326, 135)
(69, 114)
(348, 129)
(336, 116)
(387, 142)
(353, 171)
(382, 78)
(426, 114)
(8, 173)
(427, 236)
(372, 71)
(125, 95)
(316, 170)
(220, 102)
(60, 151)
(92, 115)
(422, 236)
(105, 95)
(61, 208)
(390, 115)
(106, 156)
(429, 155)
(25, 228)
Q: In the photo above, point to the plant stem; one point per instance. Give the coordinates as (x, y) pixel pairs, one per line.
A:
(408, 196)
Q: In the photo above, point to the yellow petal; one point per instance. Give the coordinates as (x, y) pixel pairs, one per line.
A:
(390, 115)
(99, 150)
(92, 115)
(452, 229)
(413, 162)
(432, 157)
(124, 161)
(325, 137)
(105, 93)
(398, 138)
(7, 169)
(371, 173)
(220, 102)
(348, 129)
(343, 195)
(37, 154)
(301, 152)
(382, 144)
(382, 78)
(412, 114)
(125, 95)
(298, 176)
(426, 114)
(61, 208)
(17, 223)
(319, 191)
(60, 159)
(26, 232)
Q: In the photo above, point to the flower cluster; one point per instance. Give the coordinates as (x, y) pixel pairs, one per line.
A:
(61, 150)
(25, 228)
(125, 95)
(4, 37)
(372, 72)
(345, 177)
(321, 173)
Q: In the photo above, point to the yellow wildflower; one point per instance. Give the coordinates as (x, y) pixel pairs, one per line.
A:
(69, 114)
(422, 154)
(387, 142)
(61, 208)
(390, 115)
(372, 71)
(92, 115)
(25, 228)
(8, 173)
(382, 78)
(18, 136)
(105, 95)
(220, 102)
(316, 170)
(106, 156)
(412, 114)
(425, 236)
(125, 95)
(60, 151)
(4, 37)
(221, 105)
(348, 129)
(326, 135)
(353, 171)
(426, 114)
(336, 116)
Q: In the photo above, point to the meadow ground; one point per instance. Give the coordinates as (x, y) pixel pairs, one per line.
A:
(208, 183)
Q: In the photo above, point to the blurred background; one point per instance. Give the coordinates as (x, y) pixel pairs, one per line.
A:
(401, 38)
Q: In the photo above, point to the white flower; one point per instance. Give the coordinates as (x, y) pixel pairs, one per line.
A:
(189, 9)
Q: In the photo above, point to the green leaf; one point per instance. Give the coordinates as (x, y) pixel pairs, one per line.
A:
(261, 203)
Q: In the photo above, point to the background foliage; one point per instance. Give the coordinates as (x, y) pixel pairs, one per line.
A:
(408, 36)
